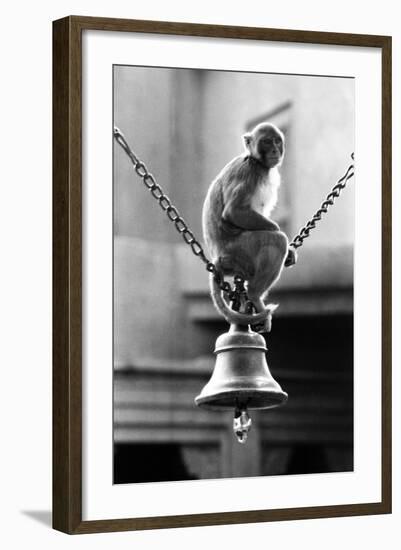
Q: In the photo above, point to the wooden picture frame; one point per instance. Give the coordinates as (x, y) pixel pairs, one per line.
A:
(67, 273)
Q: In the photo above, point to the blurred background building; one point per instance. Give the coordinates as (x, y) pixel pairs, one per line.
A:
(186, 125)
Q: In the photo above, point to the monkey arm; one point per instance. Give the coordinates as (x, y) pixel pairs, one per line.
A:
(239, 212)
(248, 219)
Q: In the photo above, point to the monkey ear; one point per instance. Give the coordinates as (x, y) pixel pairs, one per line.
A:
(247, 139)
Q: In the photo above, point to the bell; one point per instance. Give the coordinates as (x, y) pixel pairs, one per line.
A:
(241, 379)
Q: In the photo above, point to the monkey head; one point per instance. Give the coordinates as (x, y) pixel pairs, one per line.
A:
(266, 144)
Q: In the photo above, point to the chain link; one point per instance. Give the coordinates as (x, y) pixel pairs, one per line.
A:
(175, 217)
(304, 232)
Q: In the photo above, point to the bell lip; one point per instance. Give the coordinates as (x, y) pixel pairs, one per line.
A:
(211, 402)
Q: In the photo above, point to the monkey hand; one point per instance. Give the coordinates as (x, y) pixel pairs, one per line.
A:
(292, 257)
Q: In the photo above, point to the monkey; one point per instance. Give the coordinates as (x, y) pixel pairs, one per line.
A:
(237, 230)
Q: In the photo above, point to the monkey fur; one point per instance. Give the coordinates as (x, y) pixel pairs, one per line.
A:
(241, 238)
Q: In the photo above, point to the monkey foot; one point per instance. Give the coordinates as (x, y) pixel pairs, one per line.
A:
(260, 327)
(266, 326)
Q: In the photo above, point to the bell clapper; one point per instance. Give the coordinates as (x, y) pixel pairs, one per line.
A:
(242, 423)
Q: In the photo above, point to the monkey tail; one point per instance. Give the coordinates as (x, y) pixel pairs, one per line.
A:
(234, 316)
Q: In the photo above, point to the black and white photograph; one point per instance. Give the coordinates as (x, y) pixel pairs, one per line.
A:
(233, 254)
(199, 280)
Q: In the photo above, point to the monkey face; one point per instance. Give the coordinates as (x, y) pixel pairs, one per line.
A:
(270, 148)
(266, 143)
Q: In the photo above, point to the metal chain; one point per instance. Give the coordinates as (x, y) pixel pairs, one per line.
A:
(179, 222)
(298, 240)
